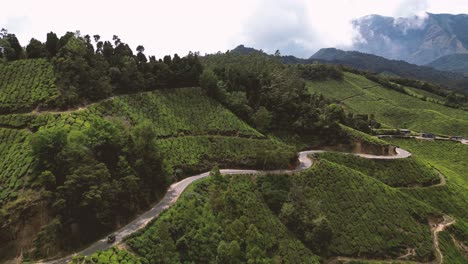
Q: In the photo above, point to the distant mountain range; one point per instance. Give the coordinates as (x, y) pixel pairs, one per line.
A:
(399, 68)
(377, 64)
(452, 63)
(418, 40)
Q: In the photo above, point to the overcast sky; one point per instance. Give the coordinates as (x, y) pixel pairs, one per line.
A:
(297, 27)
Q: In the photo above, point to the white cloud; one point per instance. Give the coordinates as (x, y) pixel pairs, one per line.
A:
(297, 27)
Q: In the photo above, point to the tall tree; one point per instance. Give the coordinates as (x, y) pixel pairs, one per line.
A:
(141, 58)
(36, 49)
(11, 46)
(51, 44)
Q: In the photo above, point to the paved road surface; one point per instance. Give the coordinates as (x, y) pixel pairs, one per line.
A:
(176, 189)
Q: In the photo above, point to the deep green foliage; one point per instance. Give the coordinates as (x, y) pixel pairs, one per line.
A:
(451, 253)
(198, 153)
(319, 72)
(363, 137)
(220, 220)
(96, 178)
(36, 49)
(367, 217)
(86, 74)
(247, 84)
(98, 166)
(11, 48)
(111, 256)
(331, 209)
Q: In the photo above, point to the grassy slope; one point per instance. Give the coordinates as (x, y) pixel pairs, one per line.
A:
(396, 173)
(392, 108)
(25, 83)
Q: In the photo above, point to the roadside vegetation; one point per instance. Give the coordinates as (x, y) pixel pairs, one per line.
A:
(329, 210)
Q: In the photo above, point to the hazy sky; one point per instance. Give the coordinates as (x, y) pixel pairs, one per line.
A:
(297, 27)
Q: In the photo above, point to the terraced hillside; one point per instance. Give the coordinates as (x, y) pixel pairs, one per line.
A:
(330, 210)
(15, 161)
(26, 83)
(192, 133)
(191, 128)
(450, 159)
(391, 108)
(408, 172)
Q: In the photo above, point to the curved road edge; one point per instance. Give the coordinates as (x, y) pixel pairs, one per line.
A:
(176, 189)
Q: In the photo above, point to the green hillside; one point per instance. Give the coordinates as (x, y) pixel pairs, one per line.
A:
(330, 210)
(191, 129)
(191, 133)
(393, 109)
(367, 217)
(15, 162)
(26, 83)
(408, 172)
(204, 227)
(450, 251)
(93, 134)
(450, 159)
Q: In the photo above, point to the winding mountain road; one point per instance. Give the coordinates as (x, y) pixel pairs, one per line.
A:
(176, 189)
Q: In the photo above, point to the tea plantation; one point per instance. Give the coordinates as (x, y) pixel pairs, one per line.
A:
(15, 162)
(452, 198)
(391, 108)
(330, 210)
(26, 83)
(193, 132)
(408, 172)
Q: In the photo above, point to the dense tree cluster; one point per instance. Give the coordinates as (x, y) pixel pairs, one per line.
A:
(95, 178)
(221, 220)
(299, 214)
(269, 95)
(10, 48)
(319, 72)
(89, 69)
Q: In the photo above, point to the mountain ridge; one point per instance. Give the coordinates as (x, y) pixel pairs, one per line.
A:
(401, 68)
(452, 63)
(416, 39)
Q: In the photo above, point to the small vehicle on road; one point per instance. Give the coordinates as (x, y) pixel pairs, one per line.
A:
(111, 239)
